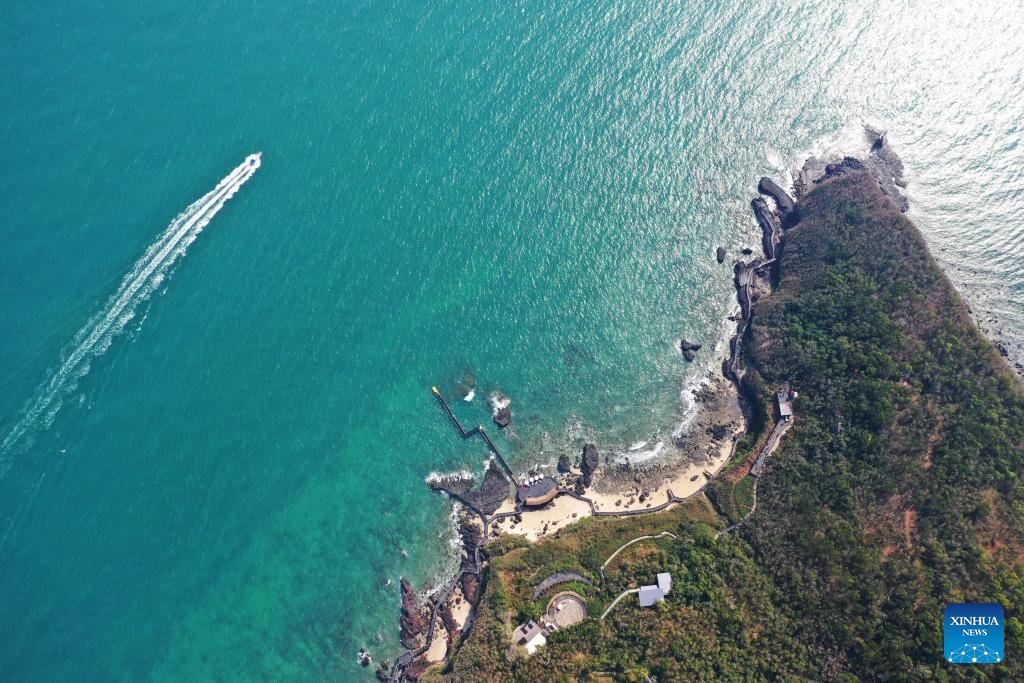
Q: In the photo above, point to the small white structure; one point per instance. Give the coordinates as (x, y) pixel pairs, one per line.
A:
(535, 642)
(650, 595)
(785, 401)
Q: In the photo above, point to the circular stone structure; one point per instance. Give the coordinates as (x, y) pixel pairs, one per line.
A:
(566, 608)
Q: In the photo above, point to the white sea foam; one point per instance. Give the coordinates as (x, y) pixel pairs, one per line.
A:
(435, 477)
(499, 401)
(471, 395)
(137, 286)
(636, 456)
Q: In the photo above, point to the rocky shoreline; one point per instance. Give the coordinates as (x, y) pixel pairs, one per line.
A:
(633, 482)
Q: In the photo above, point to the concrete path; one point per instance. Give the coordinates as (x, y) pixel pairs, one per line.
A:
(625, 545)
(616, 600)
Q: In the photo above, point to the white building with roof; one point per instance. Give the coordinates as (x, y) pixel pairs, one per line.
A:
(530, 635)
(649, 595)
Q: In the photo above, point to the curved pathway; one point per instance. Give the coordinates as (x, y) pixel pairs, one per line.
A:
(556, 579)
(737, 524)
(663, 534)
(616, 600)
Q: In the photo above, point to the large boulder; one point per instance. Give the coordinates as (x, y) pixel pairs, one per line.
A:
(589, 463)
(720, 254)
(688, 349)
(772, 189)
(448, 619)
(771, 228)
(471, 587)
(563, 464)
(503, 417)
(472, 536)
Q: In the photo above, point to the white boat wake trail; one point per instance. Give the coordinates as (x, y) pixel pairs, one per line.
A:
(136, 287)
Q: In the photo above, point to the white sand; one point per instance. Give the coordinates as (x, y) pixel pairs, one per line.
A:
(460, 611)
(557, 515)
(439, 645)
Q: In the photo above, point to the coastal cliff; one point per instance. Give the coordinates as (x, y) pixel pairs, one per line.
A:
(895, 492)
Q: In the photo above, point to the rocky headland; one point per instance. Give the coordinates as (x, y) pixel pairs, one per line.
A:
(645, 477)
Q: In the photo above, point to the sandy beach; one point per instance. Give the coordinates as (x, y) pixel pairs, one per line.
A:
(682, 468)
(559, 513)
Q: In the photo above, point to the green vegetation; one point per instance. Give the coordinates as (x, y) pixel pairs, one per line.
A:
(743, 494)
(899, 489)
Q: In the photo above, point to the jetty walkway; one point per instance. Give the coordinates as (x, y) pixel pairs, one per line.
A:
(465, 434)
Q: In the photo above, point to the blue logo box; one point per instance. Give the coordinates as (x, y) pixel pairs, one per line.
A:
(973, 633)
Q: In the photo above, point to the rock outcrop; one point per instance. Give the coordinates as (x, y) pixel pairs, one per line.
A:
(503, 417)
(881, 161)
(588, 464)
(564, 466)
(486, 499)
(771, 228)
(501, 409)
(688, 349)
(412, 622)
(772, 189)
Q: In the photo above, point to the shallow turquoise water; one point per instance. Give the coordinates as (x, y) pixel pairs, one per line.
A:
(529, 194)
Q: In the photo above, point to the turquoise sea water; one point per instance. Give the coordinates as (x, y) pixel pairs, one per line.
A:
(527, 194)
